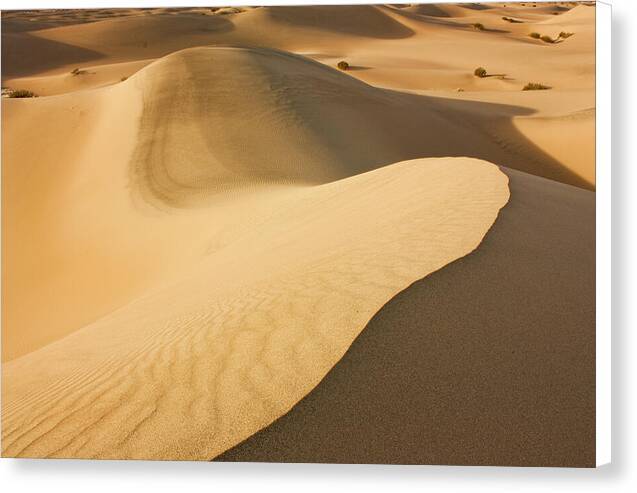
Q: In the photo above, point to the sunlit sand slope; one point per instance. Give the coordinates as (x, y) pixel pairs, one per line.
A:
(190, 369)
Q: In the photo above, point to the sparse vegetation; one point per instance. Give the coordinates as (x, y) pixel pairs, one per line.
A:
(535, 35)
(535, 86)
(480, 72)
(512, 20)
(123, 79)
(478, 26)
(343, 65)
(77, 71)
(565, 35)
(22, 93)
(547, 39)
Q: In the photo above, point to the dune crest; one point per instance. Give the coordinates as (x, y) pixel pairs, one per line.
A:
(214, 357)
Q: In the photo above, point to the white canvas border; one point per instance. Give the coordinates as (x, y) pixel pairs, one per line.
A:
(603, 177)
(603, 314)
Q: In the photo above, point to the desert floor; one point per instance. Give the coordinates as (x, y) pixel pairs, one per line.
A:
(217, 245)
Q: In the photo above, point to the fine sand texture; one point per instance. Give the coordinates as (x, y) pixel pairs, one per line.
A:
(215, 243)
(499, 372)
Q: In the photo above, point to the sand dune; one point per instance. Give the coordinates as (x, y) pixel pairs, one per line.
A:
(384, 46)
(211, 121)
(254, 326)
(240, 249)
(200, 222)
(483, 390)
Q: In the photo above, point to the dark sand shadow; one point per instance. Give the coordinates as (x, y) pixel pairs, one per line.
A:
(360, 20)
(492, 124)
(488, 361)
(24, 54)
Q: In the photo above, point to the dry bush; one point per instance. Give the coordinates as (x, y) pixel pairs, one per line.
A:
(535, 86)
(480, 72)
(547, 39)
(22, 93)
(343, 65)
(478, 27)
(535, 35)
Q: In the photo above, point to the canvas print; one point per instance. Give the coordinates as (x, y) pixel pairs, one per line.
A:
(316, 233)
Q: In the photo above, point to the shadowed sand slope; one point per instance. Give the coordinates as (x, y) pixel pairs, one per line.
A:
(359, 20)
(489, 361)
(346, 127)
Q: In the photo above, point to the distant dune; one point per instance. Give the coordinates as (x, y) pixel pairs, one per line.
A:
(201, 213)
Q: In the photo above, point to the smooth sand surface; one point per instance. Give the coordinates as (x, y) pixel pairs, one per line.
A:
(198, 224)
(500, 371)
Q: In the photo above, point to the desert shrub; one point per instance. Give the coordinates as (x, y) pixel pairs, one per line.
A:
(480, 72)
(547, 39)
(477, 26)
(77, 71)
(22, 93)
(123, 79)
(535, 35)
(343, 65)
(510, 19)
(565, 35)
(535, 86)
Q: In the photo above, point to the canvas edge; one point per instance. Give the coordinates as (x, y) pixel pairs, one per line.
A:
(603, 171)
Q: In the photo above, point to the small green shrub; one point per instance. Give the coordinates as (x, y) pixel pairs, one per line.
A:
(343, 65)
(22, 93)
(478, 27)
(535, 86)
(535, 35)
(480, 72)
(547, 39)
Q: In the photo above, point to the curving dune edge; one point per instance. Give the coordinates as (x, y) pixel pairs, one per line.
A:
(219, 307)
